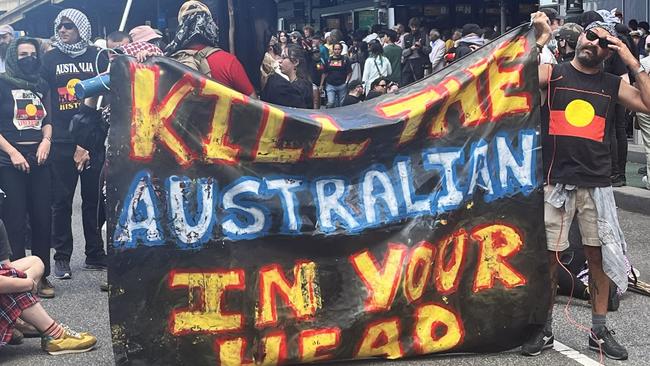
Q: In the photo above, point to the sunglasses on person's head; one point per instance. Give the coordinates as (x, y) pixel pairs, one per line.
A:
(592, 36)
(67, 26)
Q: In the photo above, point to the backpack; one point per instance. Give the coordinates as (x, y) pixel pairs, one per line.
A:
(195, 59)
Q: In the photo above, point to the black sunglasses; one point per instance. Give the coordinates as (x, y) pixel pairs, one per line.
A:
(67, 26)
(382, 85)
(602, 42)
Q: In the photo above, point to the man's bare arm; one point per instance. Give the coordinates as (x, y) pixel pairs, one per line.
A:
(542, 26)
(637, 98)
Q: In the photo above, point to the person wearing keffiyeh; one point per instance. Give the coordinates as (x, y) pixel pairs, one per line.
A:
(77, 46)
(196, 31)
(71, 60)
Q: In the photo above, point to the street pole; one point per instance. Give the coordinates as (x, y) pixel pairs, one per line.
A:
(125, 15)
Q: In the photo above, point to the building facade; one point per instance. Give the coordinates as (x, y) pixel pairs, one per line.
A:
(443, 14)
(631, 9)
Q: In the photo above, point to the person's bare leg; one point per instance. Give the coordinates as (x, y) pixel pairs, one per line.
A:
(37, 316)
(32, 266)
(553, 268)
(598, 280)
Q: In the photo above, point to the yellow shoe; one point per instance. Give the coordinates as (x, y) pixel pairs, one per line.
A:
(70, 342)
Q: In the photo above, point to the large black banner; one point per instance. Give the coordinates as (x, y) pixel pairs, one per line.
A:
(244, 233)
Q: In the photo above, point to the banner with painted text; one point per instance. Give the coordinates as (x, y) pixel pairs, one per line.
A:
(244, 233)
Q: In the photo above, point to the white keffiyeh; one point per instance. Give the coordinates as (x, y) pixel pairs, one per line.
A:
(83, 26)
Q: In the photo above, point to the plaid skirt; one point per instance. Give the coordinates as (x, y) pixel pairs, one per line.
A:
(12, 305)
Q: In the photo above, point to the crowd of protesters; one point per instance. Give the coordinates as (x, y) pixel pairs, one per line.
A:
(337, 64)
(41, 160)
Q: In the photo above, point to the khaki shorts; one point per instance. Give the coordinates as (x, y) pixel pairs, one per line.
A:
(558, 220)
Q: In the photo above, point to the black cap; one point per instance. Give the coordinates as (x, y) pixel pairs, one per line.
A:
(570, 32)
(353, 84)
(471, 28)
(551, 13)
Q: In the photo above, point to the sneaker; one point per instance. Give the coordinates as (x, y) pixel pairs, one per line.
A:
(62, 269)
(16, 337)
(643, 170)
(645, 181)
(605, 342)
(619, 181)
(95, 264)
(537, 343)
(104, 287)
(45, 288)
(70, 342)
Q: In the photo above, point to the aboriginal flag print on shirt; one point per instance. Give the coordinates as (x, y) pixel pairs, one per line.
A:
(578, 113)
(577, 127)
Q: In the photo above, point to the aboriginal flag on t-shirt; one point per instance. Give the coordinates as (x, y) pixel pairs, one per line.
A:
(578, 113)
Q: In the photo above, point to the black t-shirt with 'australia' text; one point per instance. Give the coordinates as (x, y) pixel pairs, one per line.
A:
(578, 127)
(63, 72)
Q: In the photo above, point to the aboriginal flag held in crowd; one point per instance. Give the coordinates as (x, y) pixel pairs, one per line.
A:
(245, 233)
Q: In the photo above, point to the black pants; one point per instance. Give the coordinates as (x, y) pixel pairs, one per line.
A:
(412, 71)
(28, 193)
(619, 143)
(65, 176)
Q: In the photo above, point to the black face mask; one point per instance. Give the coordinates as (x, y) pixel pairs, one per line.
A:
(29, 65)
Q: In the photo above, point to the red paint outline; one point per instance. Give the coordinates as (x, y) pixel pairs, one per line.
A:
(457, 105)
(321, 348)
(167, 122)
(282, 353)
(266, 112)
(369, 306)
(519, 68)
(335, 140)
(276, 291)
(225, 141)
(403, 115)
(442, 267)
(133, 66)
(499, 258)
(424, 279)
(241, 286)
(376, 323)
(219, 342)
(484, 101)
(417, 342)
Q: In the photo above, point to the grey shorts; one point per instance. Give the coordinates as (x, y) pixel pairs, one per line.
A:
(580, 204)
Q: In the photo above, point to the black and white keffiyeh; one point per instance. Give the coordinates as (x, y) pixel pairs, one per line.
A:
(196, 27)
(83, 26)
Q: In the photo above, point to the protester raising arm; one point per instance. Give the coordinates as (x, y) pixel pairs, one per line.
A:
(543, 34)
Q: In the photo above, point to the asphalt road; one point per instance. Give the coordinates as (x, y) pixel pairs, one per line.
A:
(80, 304)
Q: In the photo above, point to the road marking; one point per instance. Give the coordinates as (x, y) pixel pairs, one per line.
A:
(574, 355)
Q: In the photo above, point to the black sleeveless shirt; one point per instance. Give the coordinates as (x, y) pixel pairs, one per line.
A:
(577, 127)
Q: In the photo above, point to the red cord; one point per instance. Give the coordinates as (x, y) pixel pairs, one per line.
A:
(566, 308)
(557, 254)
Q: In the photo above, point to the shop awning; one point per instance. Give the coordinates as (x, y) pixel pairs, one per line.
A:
(18, 13)
(346, 7)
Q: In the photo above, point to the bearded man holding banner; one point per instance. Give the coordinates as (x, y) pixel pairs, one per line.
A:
(576, 135)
